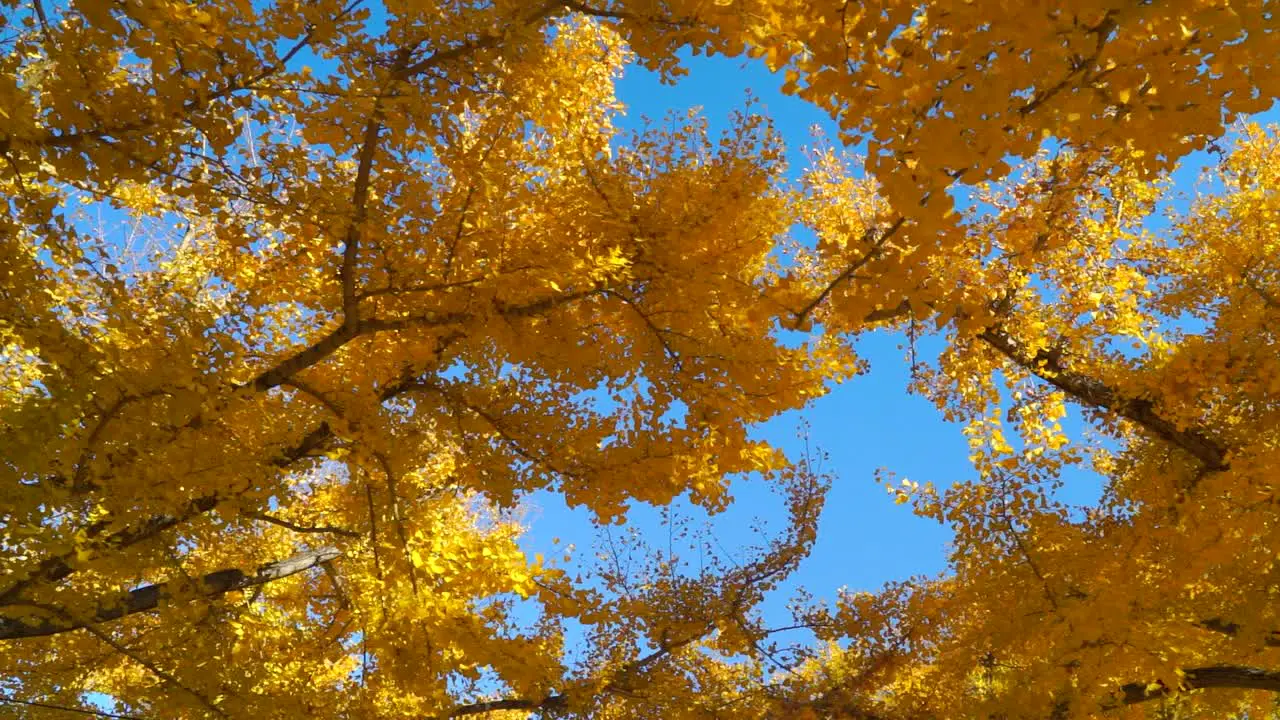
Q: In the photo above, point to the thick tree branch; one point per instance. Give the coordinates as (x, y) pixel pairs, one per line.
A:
(1217, 676)
(441, 57)
(58, 568)
(55, 569)
(1226, 627)
(295, 527)
(1268, 298)
(343, 334)
(878, 239)
(306, 357)
(1047, 365)
(585, 9)
(403, 71)
(608, 13)
(550, 703)
(150, 597)
(360, 211)
(560, 701)
(889, 314)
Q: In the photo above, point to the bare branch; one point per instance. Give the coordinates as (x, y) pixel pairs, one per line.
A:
(79, 484)
(60, 567)
(305, 358)
(659, 334)
(426, 287)
(313, 393)
(585, 9)
(896, 312)
(45, 29)
(340, 336)
(298, 47)
(373, 530)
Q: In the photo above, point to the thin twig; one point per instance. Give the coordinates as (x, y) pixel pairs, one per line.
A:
(302, 528)
(155, 669)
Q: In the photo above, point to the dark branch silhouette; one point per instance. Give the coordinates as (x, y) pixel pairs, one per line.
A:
(150, 597)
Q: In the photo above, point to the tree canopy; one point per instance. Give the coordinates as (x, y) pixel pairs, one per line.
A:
(402, 268)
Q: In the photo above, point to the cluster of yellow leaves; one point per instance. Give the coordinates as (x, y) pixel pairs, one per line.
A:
(402, 270)
(1164, 331)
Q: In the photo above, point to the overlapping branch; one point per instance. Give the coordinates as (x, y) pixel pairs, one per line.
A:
(150, 597)
(60, 567)
(1048, 366)
(1234, 677)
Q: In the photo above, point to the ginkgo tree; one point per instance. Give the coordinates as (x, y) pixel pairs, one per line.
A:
(403, 269)
(1160, 594)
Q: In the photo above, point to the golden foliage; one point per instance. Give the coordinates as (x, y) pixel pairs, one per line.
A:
(403, 269)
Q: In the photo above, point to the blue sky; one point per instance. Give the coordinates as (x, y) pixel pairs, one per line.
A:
(868, 424)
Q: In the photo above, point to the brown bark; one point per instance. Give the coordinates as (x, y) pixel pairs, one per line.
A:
(1217, 676)
(150, 597)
